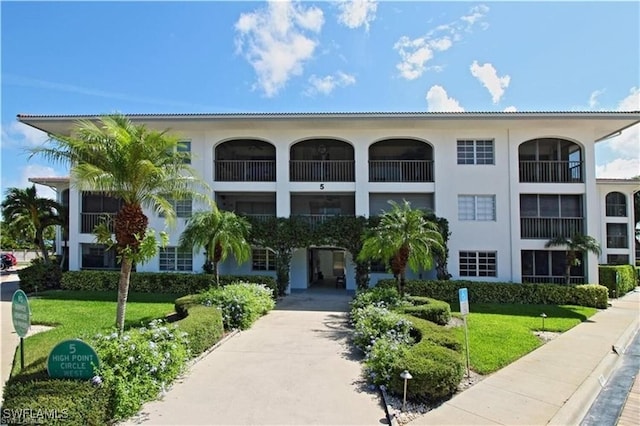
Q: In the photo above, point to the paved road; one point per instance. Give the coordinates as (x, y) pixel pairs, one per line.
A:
(293, 367)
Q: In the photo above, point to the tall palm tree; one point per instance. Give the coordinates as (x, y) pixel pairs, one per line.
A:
(220, 233)
(23, 209)
(577, 243)
(405, 238)
(142, 167)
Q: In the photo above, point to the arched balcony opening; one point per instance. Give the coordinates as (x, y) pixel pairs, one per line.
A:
(245, 160)
(616, 204)
(550, 160)
(400, 160)
(322, 160)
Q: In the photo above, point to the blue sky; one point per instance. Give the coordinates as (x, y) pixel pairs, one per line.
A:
(181, 57)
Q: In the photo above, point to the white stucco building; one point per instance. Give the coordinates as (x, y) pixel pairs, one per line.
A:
(506, 182)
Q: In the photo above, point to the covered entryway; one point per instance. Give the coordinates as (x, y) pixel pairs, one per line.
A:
(326, 267)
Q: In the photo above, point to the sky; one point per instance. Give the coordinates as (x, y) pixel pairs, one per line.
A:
(314, 56)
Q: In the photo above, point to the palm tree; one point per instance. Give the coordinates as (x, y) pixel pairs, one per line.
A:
(220, 233)
(577, 243)
(405, 238)
(140, 166)
(23, 209)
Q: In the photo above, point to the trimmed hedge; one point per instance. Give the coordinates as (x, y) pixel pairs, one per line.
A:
(592, 295)
(435, 362)
(429, 309)
(156, 282)
(40, 277)
(619, 279)
(203, 325)
(54, 402)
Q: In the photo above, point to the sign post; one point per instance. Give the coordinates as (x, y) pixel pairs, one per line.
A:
(463, 295)
(21, 318)
(72, 359)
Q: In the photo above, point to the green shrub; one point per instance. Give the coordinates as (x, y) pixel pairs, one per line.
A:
(54, 402)
(155, 282)
(429, 309)
(423, 330)
(381, 358)
(241, 303)
(136, 366)
(389, 296)
(184, 303)
(619, 279)
(373, 322)
(485, 292)
(40, 277)
(436, 370)
(203, 326)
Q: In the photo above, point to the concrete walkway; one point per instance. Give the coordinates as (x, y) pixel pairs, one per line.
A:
(293, 367)
(8, 338)
(555, 384)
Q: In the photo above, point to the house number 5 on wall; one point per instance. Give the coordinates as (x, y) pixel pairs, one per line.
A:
(322, 186)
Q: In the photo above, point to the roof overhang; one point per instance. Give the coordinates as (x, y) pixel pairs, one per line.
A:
(605, 124)
(56, 183)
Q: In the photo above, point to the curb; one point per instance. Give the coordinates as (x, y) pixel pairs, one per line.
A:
(578, 405)
(391, 418)
(213, 348)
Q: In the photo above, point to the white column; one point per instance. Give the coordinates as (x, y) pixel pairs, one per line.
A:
(283, 196)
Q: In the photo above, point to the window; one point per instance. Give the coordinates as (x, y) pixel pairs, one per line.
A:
(617, 235)
(183, 207)
(616, 204)
(543, 266)
(478, 264)
(173, 259)
(617, 259)
(263, 259)
(97, 256)
(184, 147)
(477, 207)
(534, 205)
(472, 151)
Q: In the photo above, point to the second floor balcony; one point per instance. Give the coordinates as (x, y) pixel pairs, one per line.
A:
(322, 170)
(89, 221)
(245, 170)
(551, 171)
(400, 171)
(549, 227)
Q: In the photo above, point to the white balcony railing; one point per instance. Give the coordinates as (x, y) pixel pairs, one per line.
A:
(551, 171)
(400, 171)
(245, 170)
(88, 221)
(550, 227)
(322, 170)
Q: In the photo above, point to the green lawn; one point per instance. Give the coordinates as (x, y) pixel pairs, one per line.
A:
(501, 333)
(82, 314)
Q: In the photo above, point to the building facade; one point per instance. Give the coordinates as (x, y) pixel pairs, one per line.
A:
(506, 182)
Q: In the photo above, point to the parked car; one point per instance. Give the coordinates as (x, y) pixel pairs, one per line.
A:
(7, 260)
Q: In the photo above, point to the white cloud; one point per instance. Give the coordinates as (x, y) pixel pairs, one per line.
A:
(19, 134)
(620, 168)
(631, 102)
(439, 101)
(32, 171)
(325, 85)
(488, 76)
(593, 99)
(276, 41)
(357, 13)
(415, 53)
(510, 108)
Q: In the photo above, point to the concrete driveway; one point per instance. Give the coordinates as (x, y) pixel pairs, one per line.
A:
(293, 367)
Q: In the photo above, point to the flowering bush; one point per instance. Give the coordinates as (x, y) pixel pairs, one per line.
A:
(374, 321)
(381, 358)
(136, 366)
(241, 303)
(389, 296)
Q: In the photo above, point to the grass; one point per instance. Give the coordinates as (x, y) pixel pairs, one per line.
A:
(501, 333)
(82, 314)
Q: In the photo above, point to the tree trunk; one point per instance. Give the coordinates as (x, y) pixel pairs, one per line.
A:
(42, 245)
(123, 292)
(403, 281)
(214, 265)
(571, 257)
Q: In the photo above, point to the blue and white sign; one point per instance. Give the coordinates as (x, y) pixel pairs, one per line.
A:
(464, 301)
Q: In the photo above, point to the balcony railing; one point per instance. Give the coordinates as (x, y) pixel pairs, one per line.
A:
(88, 221)
(551, 171)
(549, 279)
(322, 170)
(245, 170)
(550, 227)
(401, 171)
(257, 217)
(316, 219)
